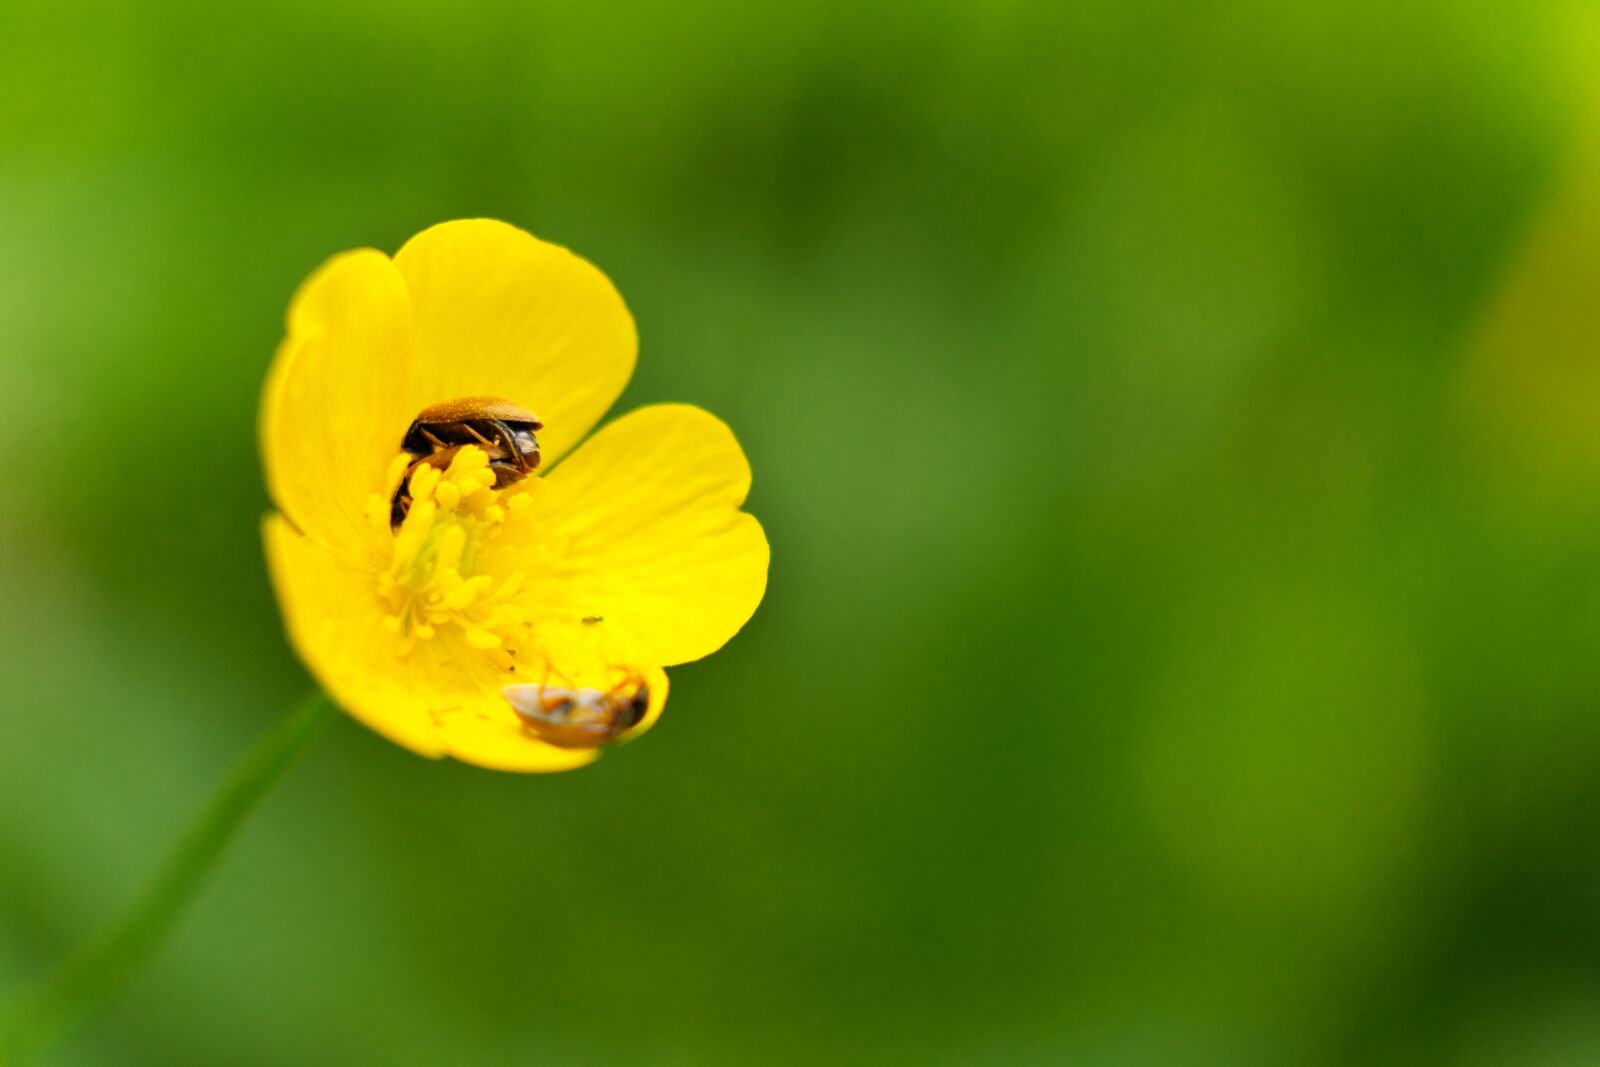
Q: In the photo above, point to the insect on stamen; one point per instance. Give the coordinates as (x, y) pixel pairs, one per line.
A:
(440, 431)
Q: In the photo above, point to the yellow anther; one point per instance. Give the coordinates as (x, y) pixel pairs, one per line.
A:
(452, 542)
(423, 481)
(483, 639)
(466, 592)
(467, 461)
(442, 572)
(397, 469)
(418, 524)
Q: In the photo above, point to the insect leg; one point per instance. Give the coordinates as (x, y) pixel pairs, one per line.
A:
(478, 437)
(509, 440)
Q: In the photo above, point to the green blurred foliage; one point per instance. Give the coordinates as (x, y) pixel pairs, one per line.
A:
(1174, 427)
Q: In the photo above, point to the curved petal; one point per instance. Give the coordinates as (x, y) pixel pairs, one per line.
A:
(494, 738)
(332, 410)
(656, 679)
(445, 701)
(648, 548)
(499, 312)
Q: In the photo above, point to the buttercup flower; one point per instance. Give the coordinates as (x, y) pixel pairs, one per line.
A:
(447, 594)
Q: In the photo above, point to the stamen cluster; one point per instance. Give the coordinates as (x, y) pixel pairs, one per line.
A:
(441, 580)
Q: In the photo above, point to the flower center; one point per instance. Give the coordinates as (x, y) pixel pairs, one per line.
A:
(442, 581)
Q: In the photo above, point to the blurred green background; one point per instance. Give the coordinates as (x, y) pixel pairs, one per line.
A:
(1178, 431)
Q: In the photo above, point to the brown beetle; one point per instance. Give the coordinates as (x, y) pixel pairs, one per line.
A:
(502, 429)
(580, 718)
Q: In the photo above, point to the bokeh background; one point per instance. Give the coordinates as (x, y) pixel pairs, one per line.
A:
(1178, 430)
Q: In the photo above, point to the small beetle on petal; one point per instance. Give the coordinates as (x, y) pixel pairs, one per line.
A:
(580, 718)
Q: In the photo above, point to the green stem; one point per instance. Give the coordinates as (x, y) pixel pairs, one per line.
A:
(99, 968)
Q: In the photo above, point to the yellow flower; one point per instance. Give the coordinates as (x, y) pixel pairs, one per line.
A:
(576, 584)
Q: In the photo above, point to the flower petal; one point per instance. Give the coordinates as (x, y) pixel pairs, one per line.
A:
(650, 551)
(437, 701)
(333, 408)
(499, 312)
(656, 679)
(494, 738)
